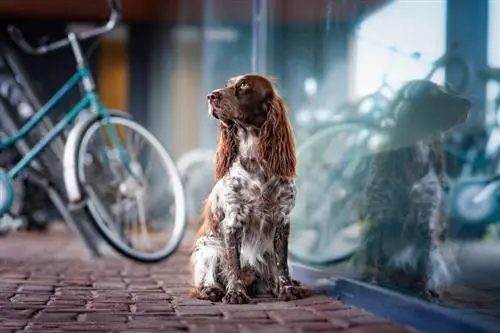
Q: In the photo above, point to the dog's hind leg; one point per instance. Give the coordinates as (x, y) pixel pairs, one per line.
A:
(205, 261)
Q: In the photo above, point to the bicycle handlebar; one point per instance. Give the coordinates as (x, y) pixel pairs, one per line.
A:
(114, 18)
(489, 73)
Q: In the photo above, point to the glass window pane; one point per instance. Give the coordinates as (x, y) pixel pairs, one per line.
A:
(385, 42)
(494, 33)
(492, 87)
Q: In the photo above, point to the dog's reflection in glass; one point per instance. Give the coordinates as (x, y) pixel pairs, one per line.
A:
(401, 200)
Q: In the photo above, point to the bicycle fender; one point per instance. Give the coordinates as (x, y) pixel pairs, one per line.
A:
(70, 172)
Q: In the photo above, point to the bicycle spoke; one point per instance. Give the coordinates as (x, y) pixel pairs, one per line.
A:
(142, 220)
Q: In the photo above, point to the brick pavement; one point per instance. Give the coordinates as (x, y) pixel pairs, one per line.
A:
(47, 285)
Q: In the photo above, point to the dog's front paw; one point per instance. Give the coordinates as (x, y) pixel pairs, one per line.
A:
(288, 290)
(213, 294)
(236, 296)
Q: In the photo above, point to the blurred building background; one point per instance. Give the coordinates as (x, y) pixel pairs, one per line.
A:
(162, 62)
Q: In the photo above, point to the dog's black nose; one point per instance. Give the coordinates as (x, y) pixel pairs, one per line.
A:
(214, 96)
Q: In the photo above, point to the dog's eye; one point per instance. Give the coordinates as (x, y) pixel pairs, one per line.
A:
(244, 85)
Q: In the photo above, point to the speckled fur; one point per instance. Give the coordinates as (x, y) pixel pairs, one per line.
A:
(241, 249)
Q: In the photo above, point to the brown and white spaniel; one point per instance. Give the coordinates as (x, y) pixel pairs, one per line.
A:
(241, 248)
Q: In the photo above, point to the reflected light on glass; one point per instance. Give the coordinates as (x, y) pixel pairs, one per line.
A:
(303, 116)
(322, 114)
(340, 193)
(337, 117)
(187, 34)
(375, 141)
(362, 135)
(493, 88)
(310, 87)
(227, 35)
(366, 106)
(388, 92)
(492, 91)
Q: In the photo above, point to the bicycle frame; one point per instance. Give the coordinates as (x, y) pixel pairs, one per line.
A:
(89, 100)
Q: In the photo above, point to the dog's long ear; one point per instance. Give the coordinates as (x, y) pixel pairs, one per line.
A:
(226, 152)
(276, 141)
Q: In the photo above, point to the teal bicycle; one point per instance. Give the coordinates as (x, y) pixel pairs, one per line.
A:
(108, 165)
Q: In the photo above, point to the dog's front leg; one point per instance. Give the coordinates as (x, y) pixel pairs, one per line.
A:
(285, 288)
(235, 289)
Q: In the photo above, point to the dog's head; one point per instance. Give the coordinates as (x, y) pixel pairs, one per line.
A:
(251, 102)
(246, 100)
(423, 109)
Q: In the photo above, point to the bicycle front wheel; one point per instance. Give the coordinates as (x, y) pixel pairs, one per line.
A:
(140, 209)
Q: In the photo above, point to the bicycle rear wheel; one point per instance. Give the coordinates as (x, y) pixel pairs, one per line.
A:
(149, 206)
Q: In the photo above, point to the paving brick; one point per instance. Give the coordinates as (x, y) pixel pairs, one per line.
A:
(154, 308)
(326, 326)
(240, 307)
(12, 324)
(99, 317)
(203, 321)
(272, 328)
(165, 316)
(57, 316)
(295, 315)
(152, 296)
(31, 298)
(347, 314)
(215, 328)
(40, 291)
(314, 300)
(18, 313)
(115, 307)
(249, 314)
(193, 302)
(38, 288)
(330, 306)
(277, 305)
(199, 311)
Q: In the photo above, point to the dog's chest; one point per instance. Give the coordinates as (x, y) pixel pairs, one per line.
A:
(264, 196)
(427, 189)
(261, 202)
(402, 181)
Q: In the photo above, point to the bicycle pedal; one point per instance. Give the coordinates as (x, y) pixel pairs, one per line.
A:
(76, 206)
